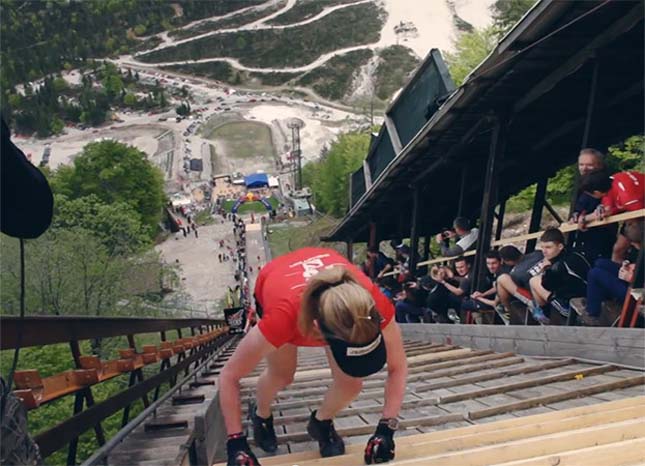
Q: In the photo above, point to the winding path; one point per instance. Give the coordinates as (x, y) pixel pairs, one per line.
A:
(236, 63)
(257, 25)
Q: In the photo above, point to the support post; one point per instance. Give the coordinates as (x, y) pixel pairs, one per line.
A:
(350, 251)
(536, 213)
(496, 153)
(367, 175)
(500, 220)
(462, 191)
(591, 104)
(553, 212)
(373, 241)
(414, 229)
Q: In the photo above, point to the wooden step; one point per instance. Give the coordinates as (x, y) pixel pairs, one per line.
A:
(614, 430)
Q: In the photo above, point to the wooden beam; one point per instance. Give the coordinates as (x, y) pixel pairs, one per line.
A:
(612, 454)
(394, 134)
(367, 175)
(548, 399)
(522, 427)
(552, 211)
(414, 230)
(498, 374)
(496, 154)
(500, 220)
(536, 213)
(625, 23)
(423, 455)
(564, 228)
(509, 387)
(462, 191)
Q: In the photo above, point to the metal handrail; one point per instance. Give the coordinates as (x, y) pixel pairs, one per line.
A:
(47, 330)
(103, 452)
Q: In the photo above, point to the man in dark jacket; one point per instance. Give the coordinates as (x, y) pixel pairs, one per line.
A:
(564, 276)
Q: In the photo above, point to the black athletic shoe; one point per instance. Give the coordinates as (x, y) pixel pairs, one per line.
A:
(263, 432)
(329, 442)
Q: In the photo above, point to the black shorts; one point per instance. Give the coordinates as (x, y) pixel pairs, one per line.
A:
(258, 307)
(522, 273)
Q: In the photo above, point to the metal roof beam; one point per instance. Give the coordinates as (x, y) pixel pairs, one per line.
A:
(622, 25)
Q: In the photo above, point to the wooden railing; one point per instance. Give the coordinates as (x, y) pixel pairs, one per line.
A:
(202, 337)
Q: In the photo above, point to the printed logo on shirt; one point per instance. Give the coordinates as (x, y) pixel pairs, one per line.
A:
(310, 267)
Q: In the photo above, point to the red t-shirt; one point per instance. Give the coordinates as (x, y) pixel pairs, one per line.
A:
(280, 285)
(627, 193)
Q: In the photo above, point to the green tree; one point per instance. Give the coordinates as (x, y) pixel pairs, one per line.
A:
(60, 85)
(328, 177)
(117, 225)
(57, 125)
(115, 172)
(470, 49)
(130, 100)
(506, 13)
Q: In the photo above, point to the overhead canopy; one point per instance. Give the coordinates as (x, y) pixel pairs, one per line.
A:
(257, 180)
(538, 81)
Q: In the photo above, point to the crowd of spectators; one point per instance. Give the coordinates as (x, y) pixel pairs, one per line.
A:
(564, 281)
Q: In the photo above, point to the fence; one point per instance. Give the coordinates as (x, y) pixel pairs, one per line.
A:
(175, 356)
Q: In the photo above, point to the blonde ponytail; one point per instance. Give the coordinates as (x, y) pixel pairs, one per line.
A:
(336, 299)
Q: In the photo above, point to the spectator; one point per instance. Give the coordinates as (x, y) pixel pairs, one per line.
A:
(609, 280)
(486, 299)
(618, 193)
(515, 284)
(450, 288)
(377, 264)
(462, 230)
(402, 258)
(596, 242)
(410, 308)
(564, 276)
(590, 160)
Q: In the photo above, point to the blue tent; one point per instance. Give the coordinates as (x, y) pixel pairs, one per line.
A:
(257, 180)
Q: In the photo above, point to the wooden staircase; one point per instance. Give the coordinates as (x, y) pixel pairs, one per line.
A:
(605, 434)
(473, 407)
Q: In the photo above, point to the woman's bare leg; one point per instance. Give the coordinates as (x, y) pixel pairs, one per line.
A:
(343, 390)
(281, 365)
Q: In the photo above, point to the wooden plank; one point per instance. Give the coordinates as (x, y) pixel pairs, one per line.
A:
(620, 346)
(318, 374)
(367, 429)
(493, 375)
(501, 359)
(525, 448)
(473, 452)
(628, 452)
(571, 375)
(565, 227)
(525, 404)
(607, 410)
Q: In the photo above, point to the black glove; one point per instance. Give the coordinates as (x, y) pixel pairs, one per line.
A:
(380, 446)
(239, 452)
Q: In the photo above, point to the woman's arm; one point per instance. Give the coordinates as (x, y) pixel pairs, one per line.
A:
(397, 370)
(247, 355)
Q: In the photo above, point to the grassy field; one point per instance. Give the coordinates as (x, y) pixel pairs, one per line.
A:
(286, 238)
(248, 207)
(245, 139)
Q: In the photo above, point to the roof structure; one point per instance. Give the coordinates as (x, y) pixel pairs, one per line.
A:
(256, 180)
(570, 74)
